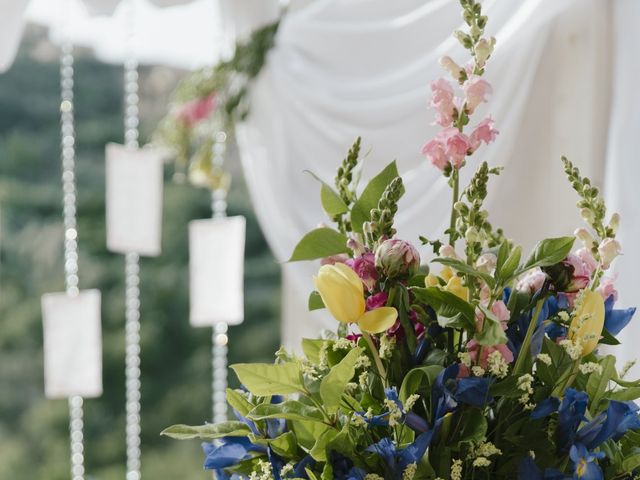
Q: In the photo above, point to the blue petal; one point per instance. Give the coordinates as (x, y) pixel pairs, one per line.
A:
(473, 391)
(414, 452)
(528, 470)
(416, 422)
(299, 468)
(386, 449)
(570, 415)
(545, 408)
(616, 320)
(225, 455)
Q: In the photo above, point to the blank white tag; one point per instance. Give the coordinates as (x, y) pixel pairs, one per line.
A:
(216, 271)
(72, 344)
(134, 200)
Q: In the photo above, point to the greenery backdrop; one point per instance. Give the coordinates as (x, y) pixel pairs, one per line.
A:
(175, 357)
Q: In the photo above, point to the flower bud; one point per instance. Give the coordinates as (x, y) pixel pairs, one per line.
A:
(397, 258)
(487, 263)
(614, 223)
(452, 67)
(588, 321)
(483, 50)
(472, 235)
(608, 249)
(447, 251)
(587, 215)
(585, 237)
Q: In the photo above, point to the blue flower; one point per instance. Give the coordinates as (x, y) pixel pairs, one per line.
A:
(570, 415)
(585, 467)
(448, 391)
(545, 408)
(528, 470)
(616, 320)
(612, 423)
(412, 420)
(396, 460)
(228, 451)
(517, 330)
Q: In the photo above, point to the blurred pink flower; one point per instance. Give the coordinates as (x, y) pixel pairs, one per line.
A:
(581, 273)
(588, 261)
(500, 310)
(473, 347)
(377, 300)
(476, 90)
(532, 281)
(435, 153)
(197, 110)
(484, 132)
(607, 287)
(333, 259)
(365, 267)
(442, 101)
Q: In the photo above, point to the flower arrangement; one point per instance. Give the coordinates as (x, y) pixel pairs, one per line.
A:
(208, 103)
(483, 364)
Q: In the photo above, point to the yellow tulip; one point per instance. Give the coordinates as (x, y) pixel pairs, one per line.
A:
(454, 285)
(342, 292)
(588, 321)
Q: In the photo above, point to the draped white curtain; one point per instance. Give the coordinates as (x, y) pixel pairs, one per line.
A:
(342, 69)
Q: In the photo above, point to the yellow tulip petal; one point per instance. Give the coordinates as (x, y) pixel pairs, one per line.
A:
(454, 285)
(588, 321)
(342, 294)
(431, 281)
(378, 320)
(446, 273)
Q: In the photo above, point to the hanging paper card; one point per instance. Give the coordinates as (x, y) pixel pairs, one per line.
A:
(134, 200)
(216, 271)
(72, 344)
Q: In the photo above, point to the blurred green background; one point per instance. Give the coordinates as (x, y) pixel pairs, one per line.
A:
(175, 357)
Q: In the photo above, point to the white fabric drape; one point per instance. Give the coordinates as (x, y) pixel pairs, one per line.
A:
(342, 69)
(11, 26)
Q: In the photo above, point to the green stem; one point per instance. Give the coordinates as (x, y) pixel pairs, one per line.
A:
(524, 350)
(455, 178)
(562, 386)
(376, 358)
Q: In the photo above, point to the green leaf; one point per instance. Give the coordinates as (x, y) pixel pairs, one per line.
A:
(331, 201)
(447, 304)
(461, 266)
(319, 243)
(506, 388)
(598, 382)
(608, 338)
(492, 332)
(549, 252)
(307, 432)
(631, 462)
(239, 402)
(311, 348)
(289, 410)
(503, 254)
(368, 200)
(418, 380)
(265, 379)
(319, 450)
(625, 395)
(284, 445)
(315, 301)
(208, 431)
(511, 264)
(334, 383)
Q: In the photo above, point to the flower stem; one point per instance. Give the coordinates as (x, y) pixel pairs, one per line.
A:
(376, 358)
(526, 344)
(455, 180)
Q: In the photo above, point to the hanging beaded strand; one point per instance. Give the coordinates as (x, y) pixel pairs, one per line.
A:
(132, 267)
(67, 132)
(219, 338)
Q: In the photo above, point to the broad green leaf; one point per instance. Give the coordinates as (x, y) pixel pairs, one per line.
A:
(625, 395)
(506, 388)
(473, 427)
(631, 462)
(418, 380)
(460, 266)
(319, 450)
(334, 383)
(289, 410)
(598, 382)
(239, 402)
(209, 431)
(311, 348)
(549, 252)
(368, 200)
(511, 264)
(608, 338)
(327, 472)
(315, 301)
(492, 332)
(331, 201)
(307, 432)
(265, 379)
(310, 474)
(446, 304)
(503, 254)
(284, 445)
(319, 243)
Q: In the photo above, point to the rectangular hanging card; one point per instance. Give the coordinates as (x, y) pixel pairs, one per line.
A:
(216, 271)
(72, 344)
(134, 200)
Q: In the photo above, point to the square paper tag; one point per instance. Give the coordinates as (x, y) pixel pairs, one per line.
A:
(134, 200)
(216, 271)
(72, 344)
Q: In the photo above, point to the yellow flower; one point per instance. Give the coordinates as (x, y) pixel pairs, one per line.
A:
(343, 294)
(431, 281)
(447, 273)
(454, 285)
(588, 321)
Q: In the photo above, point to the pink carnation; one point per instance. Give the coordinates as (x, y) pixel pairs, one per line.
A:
(365, 267)
(476, 90)
(484, 132)
(442, 101)
(196, 110)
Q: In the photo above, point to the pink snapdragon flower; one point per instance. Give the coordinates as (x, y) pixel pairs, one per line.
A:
(333, 259)
(449, 147)
(532, 281)
(365, 267)
(476, 91)
(581, 273)
(197, 110)
(588, 262)
(484, 132)
(436, 154)
(443, 102)
(607, 287)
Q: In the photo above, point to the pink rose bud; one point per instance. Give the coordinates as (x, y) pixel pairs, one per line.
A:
(365, 268)
(608, 249)
(397, 258)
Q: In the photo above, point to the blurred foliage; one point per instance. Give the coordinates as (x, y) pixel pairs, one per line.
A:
(175, 357)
